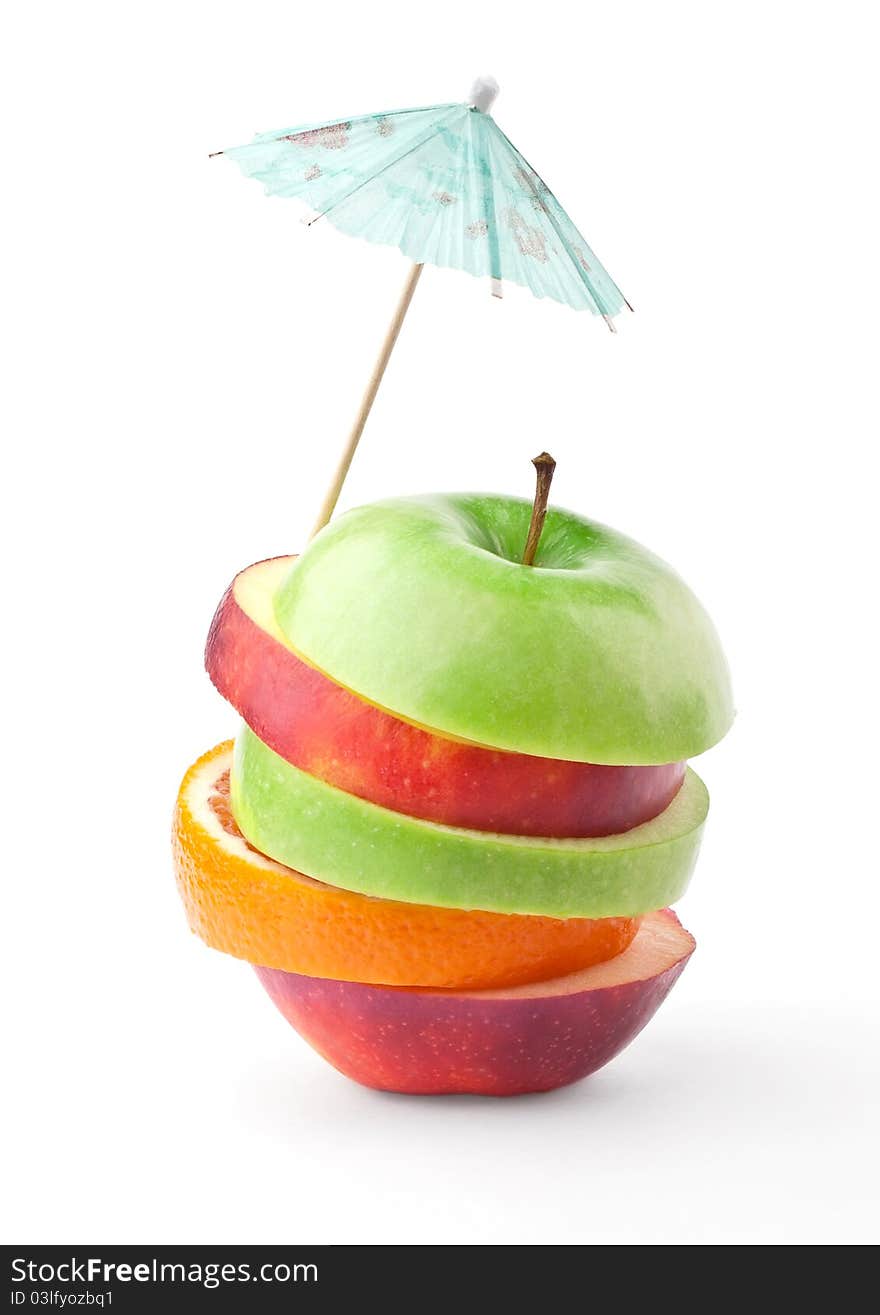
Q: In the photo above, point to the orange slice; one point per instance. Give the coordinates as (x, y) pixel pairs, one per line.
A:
(247, 905)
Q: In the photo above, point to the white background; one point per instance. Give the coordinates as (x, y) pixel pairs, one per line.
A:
(182, 361)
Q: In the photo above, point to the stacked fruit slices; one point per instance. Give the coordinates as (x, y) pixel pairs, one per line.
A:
(434, 914)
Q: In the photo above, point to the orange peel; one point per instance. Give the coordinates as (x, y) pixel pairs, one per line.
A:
(247, 905)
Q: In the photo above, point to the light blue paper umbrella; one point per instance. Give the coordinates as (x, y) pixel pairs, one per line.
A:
(444, 185)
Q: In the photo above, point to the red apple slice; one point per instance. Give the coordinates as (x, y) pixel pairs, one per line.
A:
(490, 1043)
(332, 733)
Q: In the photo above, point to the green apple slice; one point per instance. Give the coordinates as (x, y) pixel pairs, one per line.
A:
(598, 653)
(345, 841)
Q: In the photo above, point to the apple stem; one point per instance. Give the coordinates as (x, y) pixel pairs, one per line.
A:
(544, 466)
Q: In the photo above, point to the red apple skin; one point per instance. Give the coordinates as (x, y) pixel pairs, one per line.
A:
(329, 732)
(487, 1044)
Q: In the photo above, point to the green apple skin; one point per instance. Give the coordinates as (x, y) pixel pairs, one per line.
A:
(346, 841)
(599, 653)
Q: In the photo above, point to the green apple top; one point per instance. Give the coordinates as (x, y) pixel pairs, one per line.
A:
(597, 653)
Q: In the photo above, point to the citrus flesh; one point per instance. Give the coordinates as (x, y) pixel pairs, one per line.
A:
(241, 902)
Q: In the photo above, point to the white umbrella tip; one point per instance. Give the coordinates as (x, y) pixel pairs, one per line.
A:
(483, 93)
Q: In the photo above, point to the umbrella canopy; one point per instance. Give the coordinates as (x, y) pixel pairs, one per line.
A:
(444, 185)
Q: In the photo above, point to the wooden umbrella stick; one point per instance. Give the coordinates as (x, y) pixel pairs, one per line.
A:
(332, 495)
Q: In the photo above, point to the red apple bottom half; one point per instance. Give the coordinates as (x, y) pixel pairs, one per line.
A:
(490, 1043)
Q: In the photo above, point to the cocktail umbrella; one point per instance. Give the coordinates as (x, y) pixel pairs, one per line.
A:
(446, 186)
